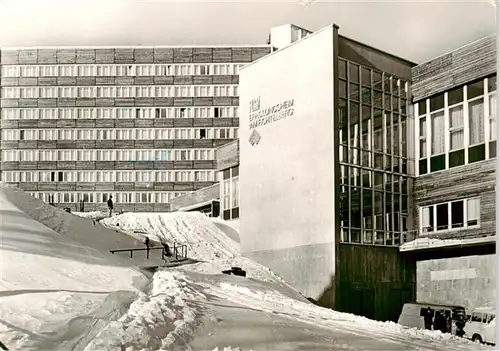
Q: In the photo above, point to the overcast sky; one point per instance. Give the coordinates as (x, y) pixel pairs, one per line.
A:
(414, 30)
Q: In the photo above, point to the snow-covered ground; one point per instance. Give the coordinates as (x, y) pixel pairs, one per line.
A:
(61, 289)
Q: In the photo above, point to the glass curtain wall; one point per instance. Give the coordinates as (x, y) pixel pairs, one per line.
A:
(230, 190)
(373, 155)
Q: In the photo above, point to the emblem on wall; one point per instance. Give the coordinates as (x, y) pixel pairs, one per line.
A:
(254, 138)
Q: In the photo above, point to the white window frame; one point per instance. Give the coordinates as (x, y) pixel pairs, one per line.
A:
(433, 208)
(465, 103)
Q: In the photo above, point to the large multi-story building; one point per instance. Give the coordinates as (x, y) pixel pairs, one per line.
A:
(138, 123)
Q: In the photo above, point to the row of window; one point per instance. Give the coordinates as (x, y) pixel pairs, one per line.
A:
(119, 112)
(460, 214)
(109, 155)
(230, 192)
(99, 197)
(382, 229)
(453, 127)
(119, 91)
(357, 75)
(392, 222)
(357, 177)
(390, 140)
(110, 176)
(371, 97)
(120, 134)
(371, 237)
(107, 70)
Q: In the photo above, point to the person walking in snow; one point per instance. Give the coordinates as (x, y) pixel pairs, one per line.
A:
(110, 205)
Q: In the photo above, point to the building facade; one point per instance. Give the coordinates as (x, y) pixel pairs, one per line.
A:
(138, 123)
(455, 104)
(228, 166)
(325, 171)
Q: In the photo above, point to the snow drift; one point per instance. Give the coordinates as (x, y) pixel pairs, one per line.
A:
(61, 289)
(206, 239)
(55, 291)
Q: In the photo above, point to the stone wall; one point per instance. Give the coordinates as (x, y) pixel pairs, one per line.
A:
(467, 281)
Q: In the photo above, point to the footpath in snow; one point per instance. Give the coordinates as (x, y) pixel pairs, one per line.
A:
(61, 289)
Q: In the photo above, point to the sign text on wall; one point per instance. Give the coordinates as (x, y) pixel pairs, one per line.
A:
(260, 117)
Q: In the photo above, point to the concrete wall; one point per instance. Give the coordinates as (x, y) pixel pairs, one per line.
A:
(467, 281)
(286, 179)
(195, 197)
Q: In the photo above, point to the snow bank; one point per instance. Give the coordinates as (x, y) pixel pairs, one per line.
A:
(272, 301)
(54, 290)
(169, 319)
(156, 321)
(98, 215)
(80, 230)
(207, 240)
(204, 240)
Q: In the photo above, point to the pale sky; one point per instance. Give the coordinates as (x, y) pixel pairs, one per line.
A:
(414, 30)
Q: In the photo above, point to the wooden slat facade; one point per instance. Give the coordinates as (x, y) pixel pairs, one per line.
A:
(466, 64)
(374, 281)
(473, 180)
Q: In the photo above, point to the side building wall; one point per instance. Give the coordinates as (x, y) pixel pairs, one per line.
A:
(287, 188)
(454, 191)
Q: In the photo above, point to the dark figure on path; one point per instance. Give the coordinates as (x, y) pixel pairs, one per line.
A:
(440, 321)
(460, 327)
(166, 249)
(428, 318)
(146, 242)
(110, 205)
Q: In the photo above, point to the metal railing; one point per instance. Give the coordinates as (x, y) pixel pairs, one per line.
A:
(179, 252)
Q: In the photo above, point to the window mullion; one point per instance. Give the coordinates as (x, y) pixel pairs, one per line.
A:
(434, 218)
(449, 216)
(428, 134)
(466, 127)
(486, 106)
(466, 214)
(416, 121)
(447, 133)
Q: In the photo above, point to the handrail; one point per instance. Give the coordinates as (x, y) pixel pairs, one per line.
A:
(179, 251)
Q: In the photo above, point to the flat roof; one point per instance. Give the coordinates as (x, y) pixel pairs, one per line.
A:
(7, 48)
(340, 37)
